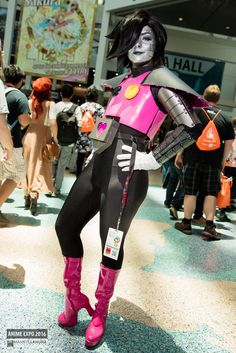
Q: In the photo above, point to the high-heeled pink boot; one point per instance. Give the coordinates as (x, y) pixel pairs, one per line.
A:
(75, 300)
(105, 288)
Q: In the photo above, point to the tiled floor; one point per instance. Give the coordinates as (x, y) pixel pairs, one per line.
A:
(175, 294)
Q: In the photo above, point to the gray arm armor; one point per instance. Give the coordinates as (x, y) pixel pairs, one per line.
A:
(176, 108)
(187, 131)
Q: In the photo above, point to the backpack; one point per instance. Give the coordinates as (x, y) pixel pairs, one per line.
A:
(209, 140)
(67, 126)
(87, 122)
(7, 90)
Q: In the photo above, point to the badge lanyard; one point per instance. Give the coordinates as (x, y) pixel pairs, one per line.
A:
(114, 236)
(126, 185)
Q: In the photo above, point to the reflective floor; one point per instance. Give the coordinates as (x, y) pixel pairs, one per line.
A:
(176, 293)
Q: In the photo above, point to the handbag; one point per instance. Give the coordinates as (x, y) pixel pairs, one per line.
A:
(223, 197)
(103, 133)
(50, 152)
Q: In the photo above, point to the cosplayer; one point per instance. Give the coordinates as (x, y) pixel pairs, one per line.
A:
(115, 181)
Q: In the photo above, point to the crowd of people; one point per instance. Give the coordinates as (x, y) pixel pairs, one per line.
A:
(31, 124)
(141, 102)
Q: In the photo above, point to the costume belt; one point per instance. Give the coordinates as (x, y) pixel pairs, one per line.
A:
(130, 137)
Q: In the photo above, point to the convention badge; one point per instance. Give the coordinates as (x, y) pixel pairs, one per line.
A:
(113, 243)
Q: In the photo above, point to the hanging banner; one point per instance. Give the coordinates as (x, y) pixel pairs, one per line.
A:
(197, 72)
(55, 38)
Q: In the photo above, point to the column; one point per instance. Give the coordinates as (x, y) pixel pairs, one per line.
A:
(8, 36)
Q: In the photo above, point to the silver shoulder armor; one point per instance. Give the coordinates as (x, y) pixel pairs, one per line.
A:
(177, 108)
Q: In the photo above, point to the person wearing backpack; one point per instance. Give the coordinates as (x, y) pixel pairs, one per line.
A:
(5, 135)
(68, 116)
(90, 111)
(6, 142)
(12, 171)
(204, 162)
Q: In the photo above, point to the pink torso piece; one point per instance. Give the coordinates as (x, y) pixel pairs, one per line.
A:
(139, 111)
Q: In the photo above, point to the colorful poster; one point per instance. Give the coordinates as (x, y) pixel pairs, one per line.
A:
(55, 39)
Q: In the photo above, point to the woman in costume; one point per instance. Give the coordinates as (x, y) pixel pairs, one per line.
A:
(41, 130)
(115, 182)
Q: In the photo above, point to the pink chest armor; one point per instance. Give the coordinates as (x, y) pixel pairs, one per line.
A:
(139, 112)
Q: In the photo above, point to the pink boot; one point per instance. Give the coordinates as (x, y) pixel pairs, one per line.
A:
(106, 283)
(75, 300)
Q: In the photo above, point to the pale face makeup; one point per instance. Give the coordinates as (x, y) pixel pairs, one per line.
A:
(142, 52)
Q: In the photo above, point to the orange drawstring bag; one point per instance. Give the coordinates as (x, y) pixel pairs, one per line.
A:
(209, 140)
(87, 124)
(223, 198)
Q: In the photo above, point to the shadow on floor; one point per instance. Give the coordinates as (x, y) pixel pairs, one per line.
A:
(9, 200)
(12, 278)
(17, 220)
(43, 208)
(128, 336)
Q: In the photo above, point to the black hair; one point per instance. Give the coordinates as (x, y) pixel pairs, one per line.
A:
(13, 74)
(92, 95)
(126, 33)
(67, 90)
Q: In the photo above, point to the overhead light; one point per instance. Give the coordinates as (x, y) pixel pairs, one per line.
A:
(227, 27)
(180, 19)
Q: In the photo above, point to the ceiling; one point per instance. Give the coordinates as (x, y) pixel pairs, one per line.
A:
(213, 16)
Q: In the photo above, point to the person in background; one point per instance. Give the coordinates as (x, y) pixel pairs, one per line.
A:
(115, 181)
(84, 144)
(229, 171)
(13, 170)
(6, 143)
(42, 129)
(202, 169)
(5, 135)
(67, 146)
(174, 188)
(212, 95)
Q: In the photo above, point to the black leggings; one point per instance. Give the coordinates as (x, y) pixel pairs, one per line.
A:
(100, 188)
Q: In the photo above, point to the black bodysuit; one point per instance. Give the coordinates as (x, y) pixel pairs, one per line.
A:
(100, 188)
(100, 185)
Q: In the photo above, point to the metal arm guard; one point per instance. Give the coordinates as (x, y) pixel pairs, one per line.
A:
(180, 138)
(187, 131)
(177, 108)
